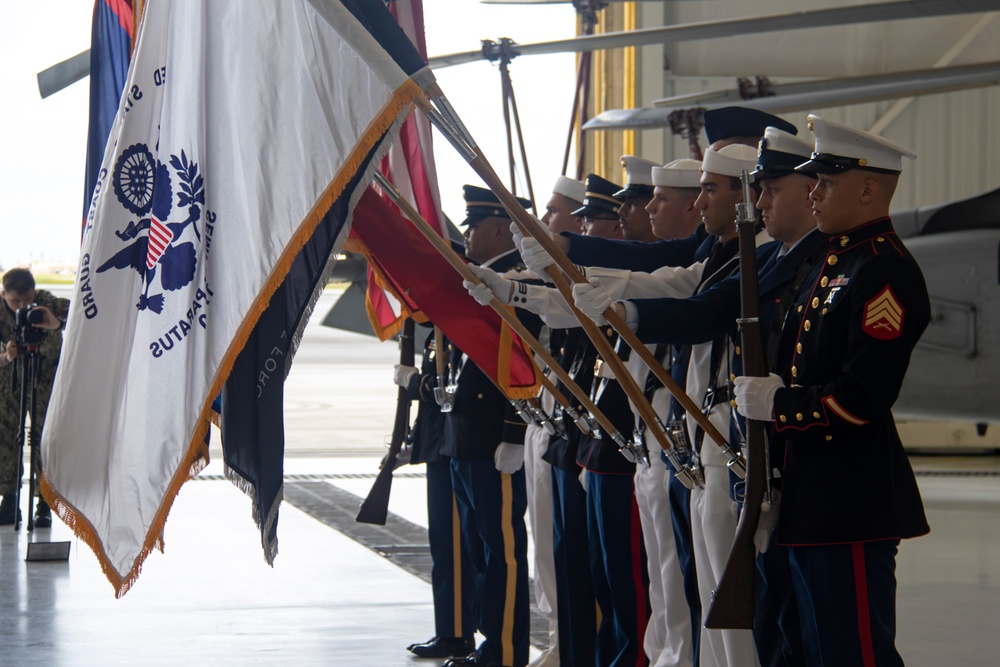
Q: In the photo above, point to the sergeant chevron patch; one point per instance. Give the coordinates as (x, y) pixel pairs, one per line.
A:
(883, 318)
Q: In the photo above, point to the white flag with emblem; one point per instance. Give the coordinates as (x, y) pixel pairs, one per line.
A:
(241, 125)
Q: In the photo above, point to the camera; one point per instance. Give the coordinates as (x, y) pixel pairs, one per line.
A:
(25, 331)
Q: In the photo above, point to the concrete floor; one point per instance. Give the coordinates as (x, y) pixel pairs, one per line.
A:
(211, 600)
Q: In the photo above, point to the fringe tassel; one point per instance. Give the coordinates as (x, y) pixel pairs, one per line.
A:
(382, 332)
(505, 347)
(196, 456)
(270, 547)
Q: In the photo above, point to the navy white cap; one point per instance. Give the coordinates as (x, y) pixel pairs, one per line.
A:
(481, 203)
(599, 197)
(840, 148)
(730, 160)
(638, 178)
(730, 122)
(570, 188)
(683, 173)
(779, 153)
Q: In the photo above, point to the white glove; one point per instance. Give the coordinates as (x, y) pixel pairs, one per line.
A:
(509, 457)
(535, 257)
(583, 479)
(492, 285)
(402, 375)
(518, 236)
(592, 299)
(768, 522)
(755, 396)
(402, 458)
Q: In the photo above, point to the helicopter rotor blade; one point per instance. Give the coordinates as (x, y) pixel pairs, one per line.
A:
(811, 95)
(884, 11)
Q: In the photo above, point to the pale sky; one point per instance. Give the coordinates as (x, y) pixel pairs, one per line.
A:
(45, 141)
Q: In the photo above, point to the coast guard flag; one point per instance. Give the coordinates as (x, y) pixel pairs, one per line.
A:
(246, 128)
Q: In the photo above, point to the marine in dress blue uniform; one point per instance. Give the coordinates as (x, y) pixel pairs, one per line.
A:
(848, 492)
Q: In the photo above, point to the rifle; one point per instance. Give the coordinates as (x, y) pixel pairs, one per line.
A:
(375, 507)
(732, 603)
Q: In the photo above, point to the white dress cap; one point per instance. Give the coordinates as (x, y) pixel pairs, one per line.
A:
(839, 148)
(570, 188)
(783, 142)
(637, 170)
(683, 173)
(730, 160)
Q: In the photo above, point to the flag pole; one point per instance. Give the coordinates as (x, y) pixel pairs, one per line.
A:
(448, 122)
(507, 315)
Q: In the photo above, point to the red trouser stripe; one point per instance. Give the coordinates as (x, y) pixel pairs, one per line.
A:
(861, 595)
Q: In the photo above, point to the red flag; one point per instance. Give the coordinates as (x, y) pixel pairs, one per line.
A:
(412, 269)
(409, 165)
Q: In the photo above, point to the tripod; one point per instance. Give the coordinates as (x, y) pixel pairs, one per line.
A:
(27, 366)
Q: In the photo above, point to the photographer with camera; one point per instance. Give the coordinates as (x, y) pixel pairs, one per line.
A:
(31, 322)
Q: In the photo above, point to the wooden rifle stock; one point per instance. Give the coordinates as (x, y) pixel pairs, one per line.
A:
(732, 605)
(375, 507)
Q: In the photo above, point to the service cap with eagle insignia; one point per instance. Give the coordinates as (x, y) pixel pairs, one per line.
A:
(779, 153)
(481, 203)
(638, 178)
(841, 148)
(600, 198)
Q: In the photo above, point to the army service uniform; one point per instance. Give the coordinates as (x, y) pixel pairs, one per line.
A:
(491, 504)
(452, 572)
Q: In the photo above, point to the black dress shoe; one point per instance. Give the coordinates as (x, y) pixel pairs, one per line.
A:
(43, 515)
(443, 647)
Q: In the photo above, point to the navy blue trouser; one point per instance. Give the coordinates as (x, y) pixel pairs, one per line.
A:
(847, 603)
(576, 606)
(618, 565)
(777, 632)
(491, 505)
(451, 583)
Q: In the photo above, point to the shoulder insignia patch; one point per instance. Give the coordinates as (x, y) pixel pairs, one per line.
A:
(883, 317)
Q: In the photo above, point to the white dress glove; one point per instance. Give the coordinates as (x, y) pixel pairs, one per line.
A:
(535, 257)
(755, 396)
(402, 375)
(768, 522)
(508, 457)
(492, 285)
(592, 299)
(518, 236)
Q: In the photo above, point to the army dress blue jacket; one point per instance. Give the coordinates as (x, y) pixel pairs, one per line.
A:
(482, 417)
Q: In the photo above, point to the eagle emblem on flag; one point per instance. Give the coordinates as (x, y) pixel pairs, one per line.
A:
(883, 316)
(144, 187)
